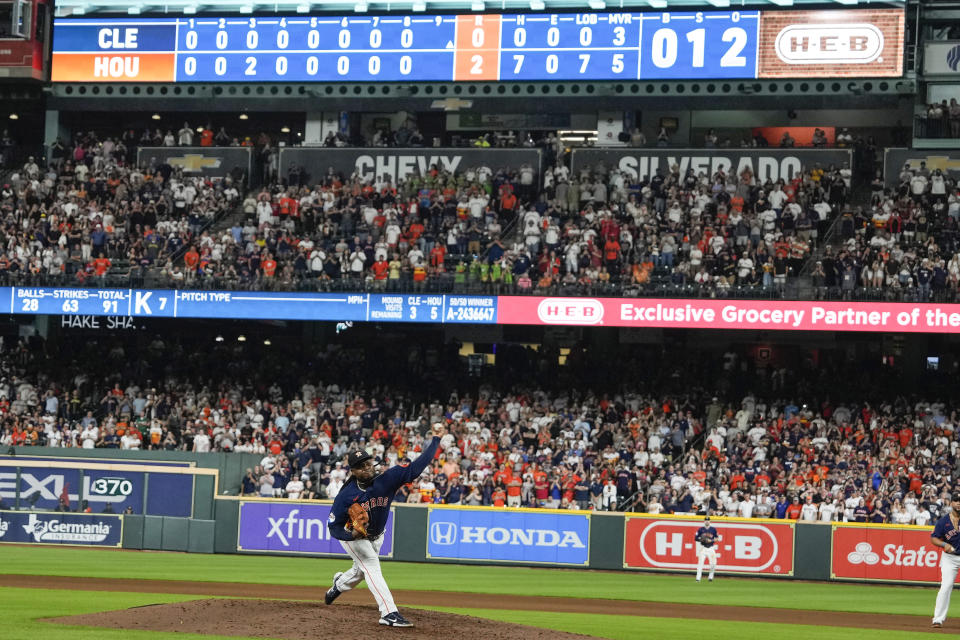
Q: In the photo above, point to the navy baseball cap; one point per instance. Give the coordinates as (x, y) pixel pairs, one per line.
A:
(357, 457)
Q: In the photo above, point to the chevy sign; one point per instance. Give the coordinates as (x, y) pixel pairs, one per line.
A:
(294, 527)
(508, 536)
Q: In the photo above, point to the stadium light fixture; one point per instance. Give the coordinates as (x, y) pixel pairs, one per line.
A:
(244, 116)
(284, 129)
(241, 338)
(537, 5)
(219, 338)
(266, 342)
(14, 116)
(155, 116)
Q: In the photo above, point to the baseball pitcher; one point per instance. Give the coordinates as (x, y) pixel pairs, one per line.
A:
(359, 516)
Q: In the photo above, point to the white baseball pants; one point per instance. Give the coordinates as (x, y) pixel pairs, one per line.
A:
(703, 554)
(949, 564)
(366, 566)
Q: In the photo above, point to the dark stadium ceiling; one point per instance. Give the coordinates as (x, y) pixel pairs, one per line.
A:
(190, 7)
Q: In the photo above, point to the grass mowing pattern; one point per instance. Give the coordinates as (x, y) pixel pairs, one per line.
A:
(632, 627)
(21, 609)
(317, 572)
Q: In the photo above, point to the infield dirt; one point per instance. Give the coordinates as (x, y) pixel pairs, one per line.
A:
(355, 608)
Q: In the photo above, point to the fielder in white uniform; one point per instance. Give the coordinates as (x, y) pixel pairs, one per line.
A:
(706, 538)
(946, 535)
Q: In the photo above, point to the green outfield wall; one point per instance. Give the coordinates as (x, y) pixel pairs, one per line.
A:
(220, 521)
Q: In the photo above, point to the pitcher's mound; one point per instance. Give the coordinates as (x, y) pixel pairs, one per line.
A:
(302, 621)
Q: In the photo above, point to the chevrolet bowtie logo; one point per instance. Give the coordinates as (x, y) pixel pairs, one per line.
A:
(194, 162)
(451, 104)
(944, 163)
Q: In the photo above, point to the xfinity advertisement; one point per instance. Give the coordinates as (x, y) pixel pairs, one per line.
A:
(292, 527)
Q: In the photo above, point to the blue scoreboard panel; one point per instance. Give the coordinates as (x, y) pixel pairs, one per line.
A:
(488, 47)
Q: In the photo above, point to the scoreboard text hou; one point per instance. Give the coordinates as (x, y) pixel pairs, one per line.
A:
(491, 47)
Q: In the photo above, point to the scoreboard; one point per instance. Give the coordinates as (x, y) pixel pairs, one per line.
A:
(483, 47)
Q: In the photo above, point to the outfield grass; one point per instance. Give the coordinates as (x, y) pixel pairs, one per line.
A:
(632, 627)
(22, 609)
(471, 578)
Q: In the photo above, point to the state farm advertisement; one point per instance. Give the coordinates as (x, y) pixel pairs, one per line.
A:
(742, 547)
(887, 553)
(766, 315)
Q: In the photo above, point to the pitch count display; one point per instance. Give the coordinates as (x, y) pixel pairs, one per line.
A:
(610, 46)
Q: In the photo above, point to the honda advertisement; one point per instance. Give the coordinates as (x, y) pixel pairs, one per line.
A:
(729, 314)
(209, 162)
(44, 488)
(773, 164)
(96, 530)
(399, 164)
(742, 547)
(292, 527)
(884, 553)
(508, 536)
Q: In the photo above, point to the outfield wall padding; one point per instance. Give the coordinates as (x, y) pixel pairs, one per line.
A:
(606, 541)
(410, 537)
(133, 532)
(812, 549)
(174, 534)
(153, 533)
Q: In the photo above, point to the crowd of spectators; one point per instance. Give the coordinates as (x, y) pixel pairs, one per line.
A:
(92, 216)
(92, 211)
(496, 230)
(904, 247)
(713, 434)
(941, 120)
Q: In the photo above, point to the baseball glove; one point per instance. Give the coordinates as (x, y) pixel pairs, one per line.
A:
(359, 518)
